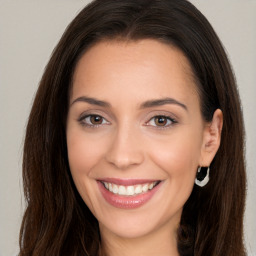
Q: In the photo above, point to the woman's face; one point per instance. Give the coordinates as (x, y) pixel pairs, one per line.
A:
(135, 135)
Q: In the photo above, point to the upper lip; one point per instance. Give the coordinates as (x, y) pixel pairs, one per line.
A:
(127, 182)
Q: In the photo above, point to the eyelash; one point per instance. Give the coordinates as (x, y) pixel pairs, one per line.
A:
(82, 121)
(170, 121)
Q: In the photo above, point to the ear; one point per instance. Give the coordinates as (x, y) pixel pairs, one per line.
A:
(211, 138)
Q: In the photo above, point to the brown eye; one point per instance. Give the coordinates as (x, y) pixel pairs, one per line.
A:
(93, 121)
(160, 120)
(96, 119)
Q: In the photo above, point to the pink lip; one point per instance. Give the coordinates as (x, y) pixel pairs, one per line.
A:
(127, 202)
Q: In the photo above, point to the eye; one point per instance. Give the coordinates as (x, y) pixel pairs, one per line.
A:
(161, 121)
(93, 120)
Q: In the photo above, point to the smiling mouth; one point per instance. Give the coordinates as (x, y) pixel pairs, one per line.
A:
(130, 190)
(129, 193)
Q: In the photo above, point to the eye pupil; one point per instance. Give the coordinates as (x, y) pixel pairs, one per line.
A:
(96, 119)
(160, 120)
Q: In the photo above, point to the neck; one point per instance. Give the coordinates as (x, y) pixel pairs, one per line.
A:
(162, 243)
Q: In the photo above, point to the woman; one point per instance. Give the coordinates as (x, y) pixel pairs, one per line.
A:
(137, 103)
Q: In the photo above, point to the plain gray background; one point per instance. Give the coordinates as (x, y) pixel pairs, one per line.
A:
(29, 30)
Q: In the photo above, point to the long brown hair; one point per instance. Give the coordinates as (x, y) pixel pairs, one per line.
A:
(57, 221)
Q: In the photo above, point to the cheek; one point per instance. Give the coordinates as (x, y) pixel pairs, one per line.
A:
(178, 156)
(83, 152)
(82, 158)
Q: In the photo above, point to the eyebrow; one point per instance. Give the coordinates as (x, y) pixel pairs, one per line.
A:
(91, 101)
(161, 102)
(146, 104)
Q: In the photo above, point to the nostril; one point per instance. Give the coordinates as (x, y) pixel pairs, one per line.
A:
(124, 159)
(122, 163)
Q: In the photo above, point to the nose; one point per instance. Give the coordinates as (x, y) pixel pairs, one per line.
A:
(125, 149)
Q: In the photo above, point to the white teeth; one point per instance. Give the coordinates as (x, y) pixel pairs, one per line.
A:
(122, 190)
(138, 189)
(145, 188)
(129, 190)
(106, 185)
(115, 189)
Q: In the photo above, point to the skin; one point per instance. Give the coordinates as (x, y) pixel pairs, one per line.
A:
(129, 143)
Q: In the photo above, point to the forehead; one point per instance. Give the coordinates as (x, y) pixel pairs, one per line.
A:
(133, 66)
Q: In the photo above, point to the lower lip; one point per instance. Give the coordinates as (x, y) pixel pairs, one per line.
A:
(127, 202)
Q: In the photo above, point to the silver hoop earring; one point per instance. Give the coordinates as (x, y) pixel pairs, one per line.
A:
(202, 176)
